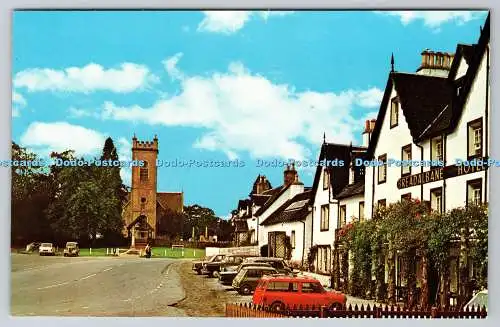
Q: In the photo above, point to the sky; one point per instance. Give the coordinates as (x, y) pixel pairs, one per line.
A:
(257, 87)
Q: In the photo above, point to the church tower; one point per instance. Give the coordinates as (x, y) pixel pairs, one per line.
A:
(143, 193)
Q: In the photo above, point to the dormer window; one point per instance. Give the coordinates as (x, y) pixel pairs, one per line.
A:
(394, 112)
(352, 175)
(475, 138)
(437, 149)
(326, 178)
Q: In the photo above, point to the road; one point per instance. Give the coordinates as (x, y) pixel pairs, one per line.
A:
(105, 286)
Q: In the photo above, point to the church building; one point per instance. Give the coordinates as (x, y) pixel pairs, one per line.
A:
(145, 207)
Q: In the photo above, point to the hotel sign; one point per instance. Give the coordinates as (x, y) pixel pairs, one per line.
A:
(438, 174)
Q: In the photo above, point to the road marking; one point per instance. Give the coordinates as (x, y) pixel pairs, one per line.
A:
(52, 286)
(92, 275)
(108, 269)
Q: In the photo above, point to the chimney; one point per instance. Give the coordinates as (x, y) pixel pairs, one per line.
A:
(289, 175)
(261, 185)
(435, 63)
(367, 133)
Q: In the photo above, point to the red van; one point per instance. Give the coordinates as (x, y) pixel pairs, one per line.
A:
(279, 292)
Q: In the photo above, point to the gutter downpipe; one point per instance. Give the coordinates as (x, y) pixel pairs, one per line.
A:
(445, 139)
(421, 170)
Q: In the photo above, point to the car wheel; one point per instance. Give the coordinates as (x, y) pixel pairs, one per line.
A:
(336, 307)
(215, 274)
(277, 306)
(245, 289)
(198, 272)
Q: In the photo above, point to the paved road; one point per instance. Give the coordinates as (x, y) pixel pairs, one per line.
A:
(59, 286)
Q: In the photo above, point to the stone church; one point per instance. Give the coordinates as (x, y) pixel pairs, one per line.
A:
(145, 207)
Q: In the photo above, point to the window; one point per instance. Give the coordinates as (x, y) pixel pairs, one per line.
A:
(437, 199)
(474, 191)
(361, 210)
(342, 216)
(437, 149)
(382, 169)
(381, 203)
(326, 179)
(352, 175)
(143, 203)
(475, 138)
(282, 287)
(406, 156)
(312, 288)
(143, 172)
(292, 239)
(406, 197)
(325, 218)
(394, 112)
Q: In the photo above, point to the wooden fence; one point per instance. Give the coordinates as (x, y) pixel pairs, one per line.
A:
(249, 310)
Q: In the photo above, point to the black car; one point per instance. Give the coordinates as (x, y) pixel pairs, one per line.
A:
(278, 263)
(198, 265)
(213, 268)
(226, 277)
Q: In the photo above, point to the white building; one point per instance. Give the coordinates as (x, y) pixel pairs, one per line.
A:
(285, 218)
(333, 174)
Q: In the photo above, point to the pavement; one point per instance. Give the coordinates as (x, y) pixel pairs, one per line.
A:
(95, 286)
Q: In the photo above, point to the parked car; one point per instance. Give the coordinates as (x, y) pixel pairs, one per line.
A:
(46, 249)
(198, 265)
(32, 247)
(278, 263)
(213, 268)
(248, 277)
(226, 277)
(478, 300)
(71, 249)
(279, 292)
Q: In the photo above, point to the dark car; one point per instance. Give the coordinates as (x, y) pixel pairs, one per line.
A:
(198, 265)
(226, 277)
(278, 263)
(247, 278)
(232, 260)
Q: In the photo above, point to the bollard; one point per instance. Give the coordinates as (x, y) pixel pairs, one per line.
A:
(165, 252)
(194, 253)
(90, 251)
(182, 252)
(107, 251)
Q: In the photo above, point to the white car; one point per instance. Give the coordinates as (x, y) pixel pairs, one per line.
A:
(46, 249)
(478, 300)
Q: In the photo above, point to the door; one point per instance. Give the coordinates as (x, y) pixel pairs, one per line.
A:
(312, 294)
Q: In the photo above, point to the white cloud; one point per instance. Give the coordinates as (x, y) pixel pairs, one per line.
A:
(228, 22)
(128, 77)
(62, 136)
(79, 113)
(124, 149)
(170, 65)
(245, 112)
(18, 102)
(434, 18)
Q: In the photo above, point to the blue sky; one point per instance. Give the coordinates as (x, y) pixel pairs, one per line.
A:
(213, 85)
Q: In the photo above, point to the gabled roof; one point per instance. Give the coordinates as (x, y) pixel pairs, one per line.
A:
(260, 199)
(444, 114)
(475, 62)
(422, 99)
(357, 188)
(273, 198)
(339, 176)
(294, 209)
(254, 187)
(171, 200)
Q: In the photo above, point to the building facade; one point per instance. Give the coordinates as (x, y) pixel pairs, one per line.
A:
(145, 208)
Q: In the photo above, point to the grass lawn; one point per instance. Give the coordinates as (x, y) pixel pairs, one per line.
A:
(162, 252)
